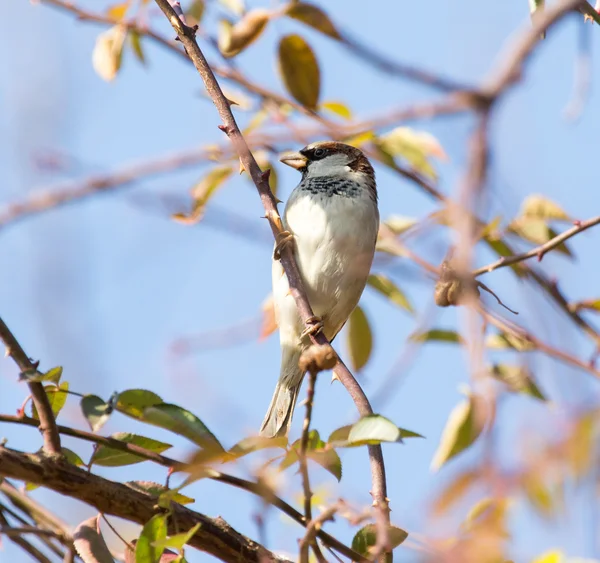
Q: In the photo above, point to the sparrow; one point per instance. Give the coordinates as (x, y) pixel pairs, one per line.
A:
(332, 219)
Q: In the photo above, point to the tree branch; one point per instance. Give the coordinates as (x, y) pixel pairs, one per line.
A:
(187, 37)
(47, 424)
(214, 536)
(541, 250)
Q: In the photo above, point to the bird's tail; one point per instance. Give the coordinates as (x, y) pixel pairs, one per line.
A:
(279, 415)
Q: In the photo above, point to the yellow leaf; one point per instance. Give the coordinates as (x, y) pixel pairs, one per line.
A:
(540, 207)
(464, 426)
(108, 52)
(553, 556)
(360, 340)
(234, 6)
(117, 11)
(195, 12)
(233, 39)
(389, 289)
(314, 17)
(454, 491)
(300, 70)
(337, 108)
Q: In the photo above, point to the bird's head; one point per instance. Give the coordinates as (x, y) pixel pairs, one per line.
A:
(330, 158)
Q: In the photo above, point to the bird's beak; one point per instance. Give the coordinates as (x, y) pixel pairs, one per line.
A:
(295, 160)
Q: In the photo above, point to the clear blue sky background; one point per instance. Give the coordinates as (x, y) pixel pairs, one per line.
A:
(106, 286)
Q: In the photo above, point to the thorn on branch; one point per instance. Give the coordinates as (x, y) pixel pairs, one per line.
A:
(227, 130)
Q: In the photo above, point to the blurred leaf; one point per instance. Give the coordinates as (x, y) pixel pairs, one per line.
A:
(518, 379)
(95, 411)
(360, 138)
(437, 335)
(155, 530)
(504, 340)
(233, 39)
(269, 321)
(539, 495)
(388, 288)
(366, 538)
(195, 12)
(540, 207)
(136, 45)
(202, 192)
(580, 445)
(57, 397)
(300, 70)
(588, 304)
(90, 544)
(133, 402)
(502, 249)
(52, 375)
(117, 11)
(312, 16)
(416, 147)
(463, 427)
(359, 339)
(398, 224)
(236, 7)
(237, 98)
(156, 489)
(317, 451)
(257, 443)
(536, 231)
(182, 422)
(370, 429)
(108, 52)
(109, 457)
(454, 491)
(553, 556)
(72, 457)
(337, 108)
(488, 516)
(177, 541)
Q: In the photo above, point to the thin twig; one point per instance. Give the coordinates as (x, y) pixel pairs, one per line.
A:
(539, 251)
(313, 527)
(47, 424)
(187, 37)
(17, 539)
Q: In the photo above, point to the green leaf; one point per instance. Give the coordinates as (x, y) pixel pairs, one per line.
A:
(540, 207)
(463, 427)
(300, 70)
(359, 339)
(366, 538)
(182, 422)
(52, 375)
(133, 402)
(202, 192)
(536, 231)
(388, 288)
(370, 429)
(57, 397)
(415, 147)
(156, 489)
(136, 46)
(256, 443)
(110, 457)
(233, 39)
(178, 540)
(155, 530)
(108, 52)
(337, 108)
(90, 544)
(502, 249)
(312, 16)
(437, 335)
(317, 451)
(518, 379)
(95, 411)
(72, 457)
(505, 340)
(195, 12)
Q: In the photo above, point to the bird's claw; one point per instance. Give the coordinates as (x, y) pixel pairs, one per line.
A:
(315, 325)
(281, 240)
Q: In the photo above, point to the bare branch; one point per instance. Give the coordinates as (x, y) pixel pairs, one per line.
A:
(47, 424)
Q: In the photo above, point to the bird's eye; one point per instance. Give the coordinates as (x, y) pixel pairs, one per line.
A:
(319, 153)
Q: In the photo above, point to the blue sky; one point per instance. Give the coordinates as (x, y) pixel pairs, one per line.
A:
(105, 287)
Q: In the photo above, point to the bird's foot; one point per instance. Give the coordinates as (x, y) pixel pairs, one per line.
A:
(281, 240)
(315, 325)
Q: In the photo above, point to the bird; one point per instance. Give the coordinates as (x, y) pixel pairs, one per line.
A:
(332, 220)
